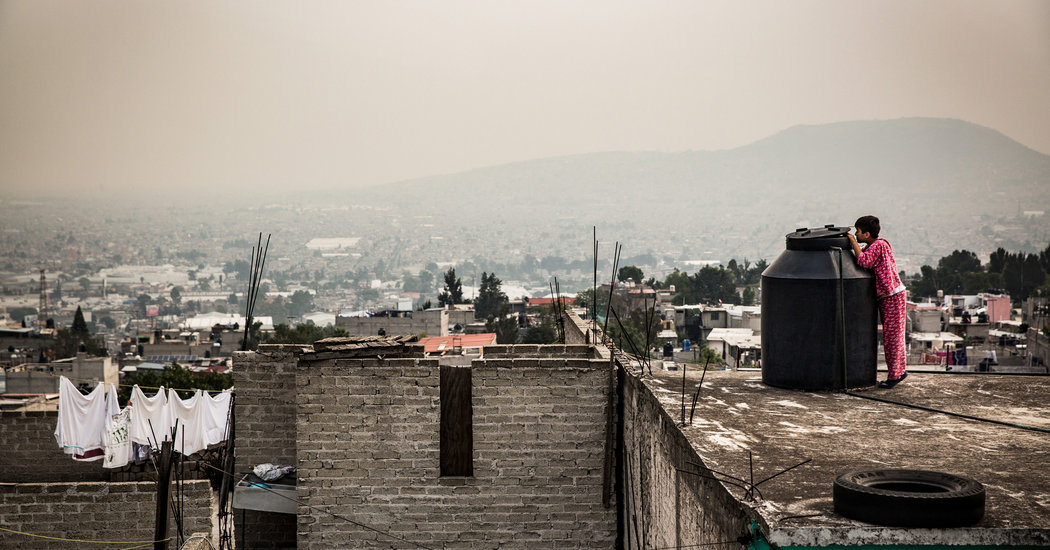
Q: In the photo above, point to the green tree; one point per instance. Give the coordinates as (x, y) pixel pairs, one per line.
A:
(254, 337)
(753, 273)
(714, 284)
(748, 298)
(631, 333)
(707, 355)
(926, 285)
(503, 324)
(544, 330)
(79, 325)
(176, 377)
(304, 333)
(176, 294)
(490, 296)
(302, 302)
(426, 281)
(631, 272)
(959, 261)
(997, 260)
(453, 292)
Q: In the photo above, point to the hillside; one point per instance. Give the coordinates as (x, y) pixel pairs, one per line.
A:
(932, 180)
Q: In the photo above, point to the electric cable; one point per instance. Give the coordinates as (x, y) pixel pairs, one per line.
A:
(86, 541)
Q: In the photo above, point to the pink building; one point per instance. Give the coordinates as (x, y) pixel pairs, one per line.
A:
(997, 306)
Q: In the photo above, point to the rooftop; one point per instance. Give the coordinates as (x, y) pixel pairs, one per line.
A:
(737, 413)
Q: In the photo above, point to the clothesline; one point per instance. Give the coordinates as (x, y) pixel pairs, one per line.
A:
(133, 385)
(93, 426)
(139, 543)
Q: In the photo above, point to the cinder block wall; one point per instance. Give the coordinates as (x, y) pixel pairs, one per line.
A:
(369, 452)
(664, 507)
(94, 511)
(265, 409)
(29, 452)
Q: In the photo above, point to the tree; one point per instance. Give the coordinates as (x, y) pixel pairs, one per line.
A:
(453, 292)
(544, 330)
(997, 260)
(301, 303)
(503, 324)
(926, 285)
(490, 296)
(304, 333)
(254, 337)
(176, 294)
(753, 273)
(426, 281)
(67, 342)
(631, 272)
(79, 325)
(176, 377)
(715, 284)
(143, 301)
(748, 298)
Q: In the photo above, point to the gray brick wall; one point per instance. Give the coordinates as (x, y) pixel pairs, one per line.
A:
(31, 454)
(663, 506)
(265, 409)
(94, 511)
(368, 452)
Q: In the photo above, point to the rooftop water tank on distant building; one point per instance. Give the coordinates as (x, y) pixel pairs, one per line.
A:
(802, 314)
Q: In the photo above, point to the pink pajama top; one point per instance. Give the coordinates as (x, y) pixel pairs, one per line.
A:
(879, 257)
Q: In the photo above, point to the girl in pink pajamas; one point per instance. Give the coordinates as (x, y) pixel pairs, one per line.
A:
(878, 255)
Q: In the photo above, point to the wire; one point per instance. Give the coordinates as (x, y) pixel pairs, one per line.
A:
(139, 542)
(949, 413)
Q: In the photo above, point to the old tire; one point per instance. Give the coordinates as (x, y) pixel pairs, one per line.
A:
(909, 498)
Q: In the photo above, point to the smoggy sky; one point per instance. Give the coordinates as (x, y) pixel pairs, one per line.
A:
(109, 96)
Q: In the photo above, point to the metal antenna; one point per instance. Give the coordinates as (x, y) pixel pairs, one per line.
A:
(255, 278)
(683, 394)
(697, 394)
(612, 285)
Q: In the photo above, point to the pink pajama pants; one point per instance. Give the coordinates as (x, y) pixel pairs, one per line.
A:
(894, 314)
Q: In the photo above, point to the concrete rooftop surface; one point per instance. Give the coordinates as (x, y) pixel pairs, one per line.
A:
(737, 413)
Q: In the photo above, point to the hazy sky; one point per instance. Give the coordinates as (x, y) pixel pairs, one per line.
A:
(118, 95)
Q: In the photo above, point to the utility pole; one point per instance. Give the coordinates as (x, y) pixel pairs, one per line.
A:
(160, 532)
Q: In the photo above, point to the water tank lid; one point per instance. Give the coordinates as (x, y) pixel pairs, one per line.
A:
(818, 238)
(829, 230)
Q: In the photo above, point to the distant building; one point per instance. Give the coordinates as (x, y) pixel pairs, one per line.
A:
(431, 322)
(42, 378)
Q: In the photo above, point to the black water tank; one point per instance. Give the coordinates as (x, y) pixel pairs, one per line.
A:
(802, 319)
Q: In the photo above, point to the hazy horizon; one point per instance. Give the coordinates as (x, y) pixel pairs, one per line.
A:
(110, 97)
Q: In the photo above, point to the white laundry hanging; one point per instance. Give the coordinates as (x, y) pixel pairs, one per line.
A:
(82, 419)
(188, 418)
(93, 426)
(218, 407)
(151, 420)
(118, 440)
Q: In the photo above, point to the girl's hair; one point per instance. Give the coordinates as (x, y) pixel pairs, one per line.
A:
(868, 224)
